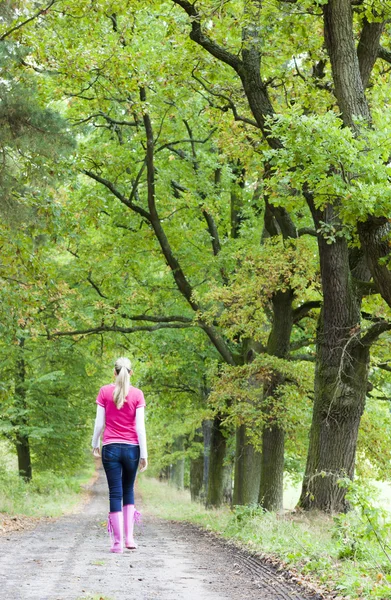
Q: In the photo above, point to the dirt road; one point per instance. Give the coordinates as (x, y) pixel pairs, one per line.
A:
(69, 559)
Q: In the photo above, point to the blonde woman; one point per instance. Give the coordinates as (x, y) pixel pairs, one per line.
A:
(120, 414)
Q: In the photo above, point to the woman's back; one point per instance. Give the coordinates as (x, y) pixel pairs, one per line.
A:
(120, 422)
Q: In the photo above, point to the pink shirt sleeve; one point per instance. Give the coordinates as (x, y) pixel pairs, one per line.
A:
(140, 400)
(101, 400)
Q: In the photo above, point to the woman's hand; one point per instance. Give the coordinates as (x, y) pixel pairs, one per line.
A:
(96, 452)
(142, 464)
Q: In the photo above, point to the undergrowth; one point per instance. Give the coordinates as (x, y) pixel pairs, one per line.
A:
(348, 554)
(48, 494)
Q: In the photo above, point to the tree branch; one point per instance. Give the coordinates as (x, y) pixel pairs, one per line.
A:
(158, 318)
(302, 311)
(96, 288)
(180, 279)
(110, 186)
(374, 332)
(307, 231)
(203, 40)
(40, 12)
(366, 288)
(231, 104)
(119, 329)
(384, 54)
(374, 236)
(368, 48)
(301, 343)
(305, 357)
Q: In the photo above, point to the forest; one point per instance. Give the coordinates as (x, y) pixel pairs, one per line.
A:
(205, 188)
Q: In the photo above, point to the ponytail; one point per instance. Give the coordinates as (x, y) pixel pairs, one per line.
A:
(122, 382)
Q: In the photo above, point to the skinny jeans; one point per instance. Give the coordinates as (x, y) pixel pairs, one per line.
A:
(120, 462)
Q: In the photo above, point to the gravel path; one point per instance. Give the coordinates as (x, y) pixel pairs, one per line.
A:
(69, 559)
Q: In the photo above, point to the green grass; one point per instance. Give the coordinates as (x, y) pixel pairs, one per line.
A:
(48, 494)
(313, 544)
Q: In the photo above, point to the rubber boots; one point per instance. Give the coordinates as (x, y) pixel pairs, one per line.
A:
(131, 515)
(115, 528)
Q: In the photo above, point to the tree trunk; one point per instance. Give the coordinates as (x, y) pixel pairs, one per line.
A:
(341, 46)
(24, 458)
(177, 474)
(272, 474)
(215, 495)
(164, 474)
(247, 470)
(197, 471)
(340, 380)
(22, 441)
(227, 483)
(340, 391)
(271, 490)
(207, 427)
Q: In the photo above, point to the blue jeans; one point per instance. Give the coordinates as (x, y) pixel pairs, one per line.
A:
(120, 461)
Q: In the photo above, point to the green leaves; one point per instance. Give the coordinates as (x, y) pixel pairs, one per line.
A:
(330, 162)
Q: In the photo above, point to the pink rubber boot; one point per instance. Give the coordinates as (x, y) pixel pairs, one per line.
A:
(115, 528)
(131, 515)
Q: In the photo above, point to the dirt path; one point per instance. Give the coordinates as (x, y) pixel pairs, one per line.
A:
(69, 559)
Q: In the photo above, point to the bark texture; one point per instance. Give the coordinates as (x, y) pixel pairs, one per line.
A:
(197, 471)
(177, 472)
(340, 43)
(272, 470)
(22, 441)
(340, 379)
(215, 494)
(247, 469)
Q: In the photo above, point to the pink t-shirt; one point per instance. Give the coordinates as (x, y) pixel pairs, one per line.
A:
(120, 423)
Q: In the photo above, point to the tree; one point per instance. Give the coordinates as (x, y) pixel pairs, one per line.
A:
(343, 355)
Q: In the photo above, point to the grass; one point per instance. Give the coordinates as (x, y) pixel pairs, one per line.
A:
(339, 554)
(47, 495)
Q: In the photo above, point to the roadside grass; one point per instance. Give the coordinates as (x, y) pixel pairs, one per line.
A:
(339, 554)
(47, 495)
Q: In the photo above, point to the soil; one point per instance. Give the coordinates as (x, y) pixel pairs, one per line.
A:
(69, 559)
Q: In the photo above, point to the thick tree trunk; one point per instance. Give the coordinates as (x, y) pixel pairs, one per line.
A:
(215, 495)
(340, 381)
(271, 489)
(340, 43)
(340, 391)
(272, 473)
(197, 470)
(177, 474)
(333, 438)
(247, 470)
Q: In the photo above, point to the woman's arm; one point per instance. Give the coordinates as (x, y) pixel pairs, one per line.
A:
(99, 425)
(142, 436)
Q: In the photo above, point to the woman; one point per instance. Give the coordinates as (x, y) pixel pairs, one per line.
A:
(120, 412)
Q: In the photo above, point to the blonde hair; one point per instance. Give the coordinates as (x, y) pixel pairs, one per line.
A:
(122, 368)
